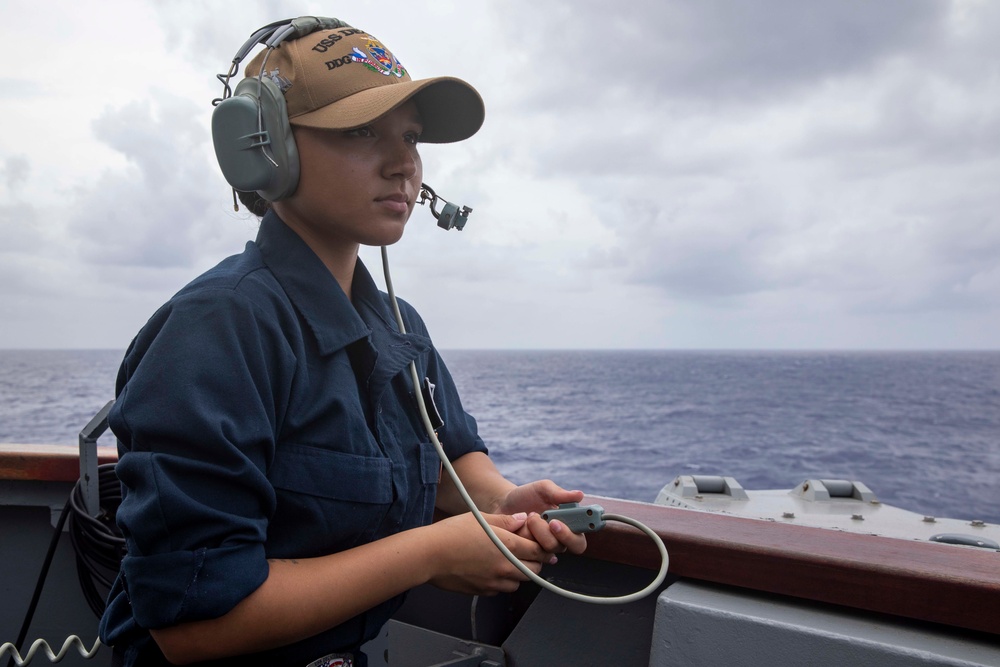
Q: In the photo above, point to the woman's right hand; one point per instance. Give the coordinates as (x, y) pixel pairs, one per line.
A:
(302, 597)
(470, 563)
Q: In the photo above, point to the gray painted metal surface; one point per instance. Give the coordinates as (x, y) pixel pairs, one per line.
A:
(843, 505)
(62, 609)
(689, 624)
(558, 631)
(89, 459)
(404, 645)
(700, 625)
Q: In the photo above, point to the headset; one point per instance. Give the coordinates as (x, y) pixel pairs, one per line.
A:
(250, 129)
(253, 137)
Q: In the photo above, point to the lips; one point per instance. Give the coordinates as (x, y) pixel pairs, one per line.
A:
(397, 202)
(396, 197)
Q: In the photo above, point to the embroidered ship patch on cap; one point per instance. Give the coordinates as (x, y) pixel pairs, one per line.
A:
(378, 59)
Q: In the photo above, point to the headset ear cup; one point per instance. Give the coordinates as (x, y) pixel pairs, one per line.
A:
(253, 140)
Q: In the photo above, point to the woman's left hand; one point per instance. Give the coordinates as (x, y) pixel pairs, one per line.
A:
(535, 498)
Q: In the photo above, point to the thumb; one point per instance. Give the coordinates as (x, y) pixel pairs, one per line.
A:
(551, 492)
(570, 496)
(508, 522)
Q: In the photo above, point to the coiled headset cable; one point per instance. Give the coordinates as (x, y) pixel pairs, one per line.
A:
(99, 547)
(580, 597)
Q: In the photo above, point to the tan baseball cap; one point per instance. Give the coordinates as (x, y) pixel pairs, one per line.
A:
(344, 78)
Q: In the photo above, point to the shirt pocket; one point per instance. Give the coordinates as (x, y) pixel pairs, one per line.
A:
(328, 500)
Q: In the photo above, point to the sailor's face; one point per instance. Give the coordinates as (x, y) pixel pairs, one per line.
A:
(357, 186)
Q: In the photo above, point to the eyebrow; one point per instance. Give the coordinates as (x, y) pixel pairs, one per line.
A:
(417, 118)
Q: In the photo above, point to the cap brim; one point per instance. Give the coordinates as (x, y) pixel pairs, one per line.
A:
(451, 109)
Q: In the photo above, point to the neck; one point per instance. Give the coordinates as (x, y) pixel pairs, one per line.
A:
(341, 265)
(338, 256)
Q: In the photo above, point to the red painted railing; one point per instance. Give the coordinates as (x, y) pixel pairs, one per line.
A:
(926, 581)
(937, 583)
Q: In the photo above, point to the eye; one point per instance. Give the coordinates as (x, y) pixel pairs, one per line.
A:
(412, 138)
(366, 131)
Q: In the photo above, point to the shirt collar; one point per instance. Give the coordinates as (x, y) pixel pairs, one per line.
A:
(316, 294)
(310, 286)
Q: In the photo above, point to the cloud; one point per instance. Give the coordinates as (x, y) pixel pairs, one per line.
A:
(15, 171)
(709, 50)
(793, 151)
(163, 209)
(18, 89)
(680, 173)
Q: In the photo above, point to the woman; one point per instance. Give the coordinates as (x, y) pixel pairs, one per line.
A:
(278, 484)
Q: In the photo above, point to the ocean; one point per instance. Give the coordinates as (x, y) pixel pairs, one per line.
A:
(921, 429)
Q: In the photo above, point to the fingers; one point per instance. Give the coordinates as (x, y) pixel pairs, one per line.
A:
(505, 575)
(575, 543)
(555, 536)
(538, 497)
(469, 562)
(509, 522)
(519, 539)
(542, 533)
(532, 540)
(557, 495)
(550, 492)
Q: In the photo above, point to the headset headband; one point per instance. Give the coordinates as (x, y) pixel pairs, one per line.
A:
(271, 36)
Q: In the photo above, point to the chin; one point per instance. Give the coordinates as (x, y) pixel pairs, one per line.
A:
(387, 235)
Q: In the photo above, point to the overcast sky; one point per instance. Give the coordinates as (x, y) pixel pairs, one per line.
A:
(773, 174)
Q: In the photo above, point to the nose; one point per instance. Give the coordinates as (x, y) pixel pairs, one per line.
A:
(402, 159)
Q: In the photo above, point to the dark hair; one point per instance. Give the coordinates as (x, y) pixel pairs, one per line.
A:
(254, 202)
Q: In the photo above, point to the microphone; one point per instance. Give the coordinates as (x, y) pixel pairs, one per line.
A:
(451, 216)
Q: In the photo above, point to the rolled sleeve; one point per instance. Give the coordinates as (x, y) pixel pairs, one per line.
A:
(188, 585)
(196, 420)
